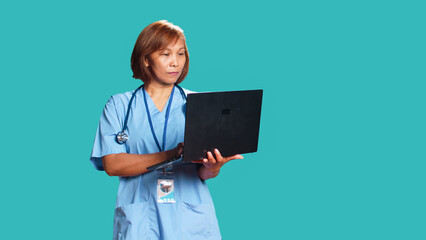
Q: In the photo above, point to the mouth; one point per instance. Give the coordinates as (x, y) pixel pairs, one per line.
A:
(173, 73)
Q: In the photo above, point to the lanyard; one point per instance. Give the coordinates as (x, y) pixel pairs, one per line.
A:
(165, 122)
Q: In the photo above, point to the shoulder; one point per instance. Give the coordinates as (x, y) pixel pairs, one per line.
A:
(122, 97)
(186, 91)
(120, 101)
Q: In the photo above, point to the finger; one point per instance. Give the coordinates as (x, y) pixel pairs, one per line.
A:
(210, 157)
(219, 157)
(238, 156)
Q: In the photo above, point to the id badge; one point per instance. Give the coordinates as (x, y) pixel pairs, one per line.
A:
(166, 188)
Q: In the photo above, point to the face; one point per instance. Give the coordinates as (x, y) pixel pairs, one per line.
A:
(167, 63)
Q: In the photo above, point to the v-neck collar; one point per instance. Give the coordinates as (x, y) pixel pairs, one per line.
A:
(167, 114)
(152, 107)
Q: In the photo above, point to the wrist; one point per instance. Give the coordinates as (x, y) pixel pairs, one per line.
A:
(212, 170)
(169, 154)
(206, 173)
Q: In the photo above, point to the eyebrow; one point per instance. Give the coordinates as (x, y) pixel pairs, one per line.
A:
(162, 49)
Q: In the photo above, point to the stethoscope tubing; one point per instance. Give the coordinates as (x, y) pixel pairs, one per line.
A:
(122, 137)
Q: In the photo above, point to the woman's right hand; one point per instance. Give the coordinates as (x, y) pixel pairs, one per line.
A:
(178, 150)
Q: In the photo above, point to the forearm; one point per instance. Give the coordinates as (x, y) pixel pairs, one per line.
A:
(126, 164)
(205, 173)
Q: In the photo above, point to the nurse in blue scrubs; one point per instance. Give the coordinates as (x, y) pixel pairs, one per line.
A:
(172, 204)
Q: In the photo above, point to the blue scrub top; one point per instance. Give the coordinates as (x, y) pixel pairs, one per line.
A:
(137, 213)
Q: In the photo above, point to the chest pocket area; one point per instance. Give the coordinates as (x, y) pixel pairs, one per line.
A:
(199, 222)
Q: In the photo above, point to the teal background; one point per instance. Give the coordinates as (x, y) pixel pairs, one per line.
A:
(342, 140)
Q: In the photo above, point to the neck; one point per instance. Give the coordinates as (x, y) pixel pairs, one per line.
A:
(158, 91)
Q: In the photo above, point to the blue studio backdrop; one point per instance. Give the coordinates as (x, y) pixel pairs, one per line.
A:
(342, 139)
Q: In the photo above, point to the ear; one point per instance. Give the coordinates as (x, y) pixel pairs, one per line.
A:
(145, 61)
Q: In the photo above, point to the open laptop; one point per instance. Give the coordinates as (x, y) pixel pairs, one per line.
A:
(228, 121)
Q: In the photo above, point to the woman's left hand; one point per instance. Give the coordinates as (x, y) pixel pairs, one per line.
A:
(212, 164)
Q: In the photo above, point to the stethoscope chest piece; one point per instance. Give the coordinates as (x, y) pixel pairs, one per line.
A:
(121, 137)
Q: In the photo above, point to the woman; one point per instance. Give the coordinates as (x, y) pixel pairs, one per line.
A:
(152, 118)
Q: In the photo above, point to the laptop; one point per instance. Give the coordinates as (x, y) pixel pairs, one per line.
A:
(228, 121)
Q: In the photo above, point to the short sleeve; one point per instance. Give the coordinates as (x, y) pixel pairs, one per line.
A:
(104, 144)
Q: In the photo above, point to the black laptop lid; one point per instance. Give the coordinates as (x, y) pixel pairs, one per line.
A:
(228, 121)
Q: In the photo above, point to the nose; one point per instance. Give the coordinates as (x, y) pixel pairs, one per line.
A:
(174, 62)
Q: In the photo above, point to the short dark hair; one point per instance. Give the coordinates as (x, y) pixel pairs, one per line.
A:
(154, 37)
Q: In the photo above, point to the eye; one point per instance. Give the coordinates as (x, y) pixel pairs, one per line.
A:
(181, 54)
(165, 54)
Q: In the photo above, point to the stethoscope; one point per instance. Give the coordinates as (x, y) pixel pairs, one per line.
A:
(122, 137)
